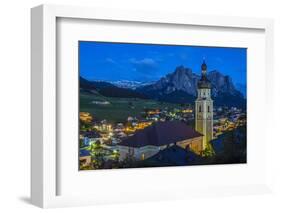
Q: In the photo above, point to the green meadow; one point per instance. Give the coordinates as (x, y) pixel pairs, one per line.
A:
(118, 109)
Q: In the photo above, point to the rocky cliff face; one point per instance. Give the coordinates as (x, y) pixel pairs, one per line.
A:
(222, 84)
(184, 80)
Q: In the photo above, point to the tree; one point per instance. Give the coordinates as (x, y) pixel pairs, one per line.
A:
(81, 144)
(116, 155)
(234, 147)
(208, 152)
(97, 153)
(129, 162)
(115, 159)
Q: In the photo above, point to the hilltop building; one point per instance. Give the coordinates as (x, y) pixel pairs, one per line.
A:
(204, 108)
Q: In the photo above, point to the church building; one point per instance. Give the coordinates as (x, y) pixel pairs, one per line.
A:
(204, 108)
(159, 136)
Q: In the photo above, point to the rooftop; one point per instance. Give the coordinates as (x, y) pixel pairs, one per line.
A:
(90, 134)
(84, 152)
(161, 133)
(174, 156)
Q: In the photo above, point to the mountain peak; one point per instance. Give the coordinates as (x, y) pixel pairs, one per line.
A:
(215, 72)
(182, 79)
(181, 70)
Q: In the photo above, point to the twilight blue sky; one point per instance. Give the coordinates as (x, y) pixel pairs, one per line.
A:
(147, 62)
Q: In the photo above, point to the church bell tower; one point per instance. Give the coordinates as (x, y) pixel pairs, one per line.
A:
(204, 108)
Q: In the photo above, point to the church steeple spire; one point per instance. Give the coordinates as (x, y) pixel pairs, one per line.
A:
(204, 66)
(204, 82)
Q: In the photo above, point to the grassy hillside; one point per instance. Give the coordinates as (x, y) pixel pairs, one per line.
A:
(118, 109)
(108, 89)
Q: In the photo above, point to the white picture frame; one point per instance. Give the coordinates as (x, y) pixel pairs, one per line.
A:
(44, 154)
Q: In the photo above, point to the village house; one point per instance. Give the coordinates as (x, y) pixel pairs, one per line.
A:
(89, 137)
(86, 117)
(85, 158)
